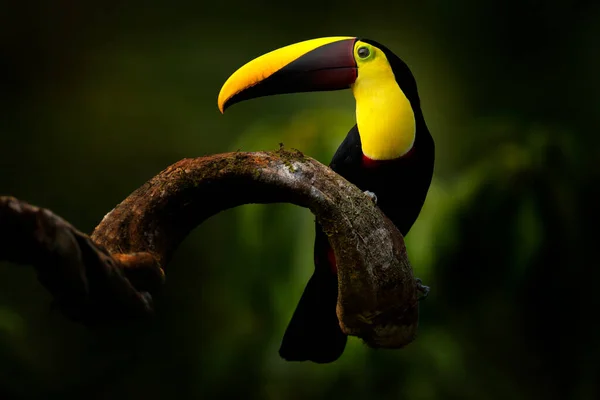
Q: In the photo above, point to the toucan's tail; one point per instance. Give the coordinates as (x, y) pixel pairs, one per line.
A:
(314, 333)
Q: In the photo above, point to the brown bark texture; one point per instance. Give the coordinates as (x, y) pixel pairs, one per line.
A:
(113, 274)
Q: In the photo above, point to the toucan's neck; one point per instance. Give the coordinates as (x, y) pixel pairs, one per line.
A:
(385, 118)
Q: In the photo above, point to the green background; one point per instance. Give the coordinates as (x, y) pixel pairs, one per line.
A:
(97, 98)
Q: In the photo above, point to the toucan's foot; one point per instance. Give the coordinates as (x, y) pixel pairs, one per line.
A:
(372, 196)
(422, 289)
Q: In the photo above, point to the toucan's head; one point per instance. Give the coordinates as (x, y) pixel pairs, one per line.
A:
(324, 64)
(387, 103)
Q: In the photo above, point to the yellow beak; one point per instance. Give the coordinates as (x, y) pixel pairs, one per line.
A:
(309, 66)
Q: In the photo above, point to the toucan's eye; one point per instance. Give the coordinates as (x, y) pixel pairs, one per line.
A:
(363, 52)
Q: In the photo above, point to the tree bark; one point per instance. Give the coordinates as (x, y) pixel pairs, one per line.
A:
(113, 273)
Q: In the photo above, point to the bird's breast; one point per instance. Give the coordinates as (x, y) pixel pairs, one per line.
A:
(369, 163)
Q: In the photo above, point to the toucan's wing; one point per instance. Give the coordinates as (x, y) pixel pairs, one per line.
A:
(348, 156)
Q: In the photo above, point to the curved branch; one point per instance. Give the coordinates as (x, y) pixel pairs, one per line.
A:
(114, 271)
(87, 283)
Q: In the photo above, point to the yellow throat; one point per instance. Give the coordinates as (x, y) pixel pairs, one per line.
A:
(386, 121)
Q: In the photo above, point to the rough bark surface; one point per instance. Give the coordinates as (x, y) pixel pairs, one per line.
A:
(113, 273)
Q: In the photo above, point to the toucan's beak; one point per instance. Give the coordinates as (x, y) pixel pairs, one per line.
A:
(309, 66)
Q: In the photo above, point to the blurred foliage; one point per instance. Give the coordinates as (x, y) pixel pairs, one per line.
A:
(97, 97)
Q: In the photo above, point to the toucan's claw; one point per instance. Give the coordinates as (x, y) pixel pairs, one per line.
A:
(372, 196)
(422, 289)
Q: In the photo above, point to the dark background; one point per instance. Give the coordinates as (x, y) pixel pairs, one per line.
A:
(97, 98)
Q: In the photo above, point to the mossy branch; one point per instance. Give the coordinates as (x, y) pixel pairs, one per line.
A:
(113, 273)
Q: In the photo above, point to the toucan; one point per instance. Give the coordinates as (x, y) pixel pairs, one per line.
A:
(389, 154)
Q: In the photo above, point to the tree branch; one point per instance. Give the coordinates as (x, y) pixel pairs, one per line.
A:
(112, 274)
